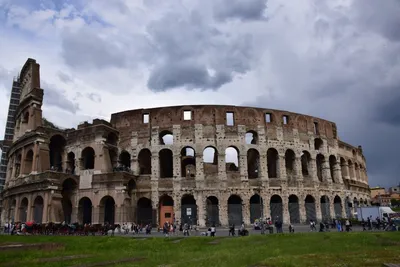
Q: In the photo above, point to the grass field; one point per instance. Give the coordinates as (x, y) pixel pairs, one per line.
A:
(315, 249)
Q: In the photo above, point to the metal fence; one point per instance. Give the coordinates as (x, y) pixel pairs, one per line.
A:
(189, 214)
(311, 212)
(38, 213)
(255, 212)
(294, 212)
(276, 211)
(326, 211)
(338, 210)
(235, 214)
(212, 215)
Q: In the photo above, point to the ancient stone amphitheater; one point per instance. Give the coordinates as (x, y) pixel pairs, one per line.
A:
(201, 164)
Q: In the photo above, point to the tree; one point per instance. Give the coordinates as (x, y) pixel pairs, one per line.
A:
(394, 202)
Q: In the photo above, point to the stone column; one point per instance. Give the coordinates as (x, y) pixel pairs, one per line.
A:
(326, 172)
(35, 158)
(337, 173)
(74, 214)
(297, 169)
(119, 215)
(246, 211)
(313, 169)
(155, 202)
(22, 166)
(223, 211)
(177, 208)
(285, 209)
(243, 167)
(46, 205)
(263, 169)
(199, 166)
(318, 209)
(221, 166)
(96, 215)
(266, 207)
(281, 168)
(332, 207)
(155, 169)
(177, 166)
(201, 213)
(302, 210)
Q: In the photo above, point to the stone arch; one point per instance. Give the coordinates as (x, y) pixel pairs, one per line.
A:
(166, 209)
(188, 162)
(235, 215)
(28, 162)
(210, 160)
(290, 159)
(276, 206)
(112, 139)
(348, 207)
(88, 156)
(318, 143)
(325, 208)
(23, 210)
(166, 161)
(351, 169)
(212, 211)
(144, 159)
(273, 163)
(343, 168)
(294, 209)
(71, 163)
(253, 163)
(356, 171)
(38, 205)
(256, 208)
(57, 146)
(311, 212)
(166, 138)
(85, 210)
(232, 158)
(125, 159)
(107, 210)
(337, 204)
(320, 165)
(251, 137)
(332, 165)
(69, 187)
(188, 210)
(144, 211)
(305, 163)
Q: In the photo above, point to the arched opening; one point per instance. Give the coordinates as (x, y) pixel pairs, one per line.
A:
(85, 210)
(212, 211)
(112, 139)
(88, 158)
(166, 210)
(166, 138)
(38, 210)
(272, 163)
(144, 159)
(131, 187)
(305, 163)
(325, 209)
(355, 204)
(232, 159)
(348, 207)
(210, 160)
(290, 158)
(113, 159)
(107, 210)
(71, 163)
(332, 164)
(256, 208)
(294, 209)
(28, 162)
(251, 138)
(11, 210)
(69, 187)
(188, 162)
(311, 212)
(25, 118)
(235, 210)
(125, 160)
(276, 208)
(320, 164)
(343, 168)
(166, 163)
(144, 211)
(18, 160)
(337, 203)
(188, 210)
(351, 169)
(356, 171)
(318, 143)
(23, 210)
(56, 147)
(253, 163)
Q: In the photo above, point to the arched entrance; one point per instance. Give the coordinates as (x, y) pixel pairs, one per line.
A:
(188, 210)
(337, 204)
(38, 209)
(256, 208)
(11, 210)
(311, 213)
(212, 211)
(144, 211)
(235, 215)
(85, 210)
(23, 210)
(325, 209)
(166, 210)
(294, 209)
(348, 207)
(276, 208)
(107, 209)
(69, 187)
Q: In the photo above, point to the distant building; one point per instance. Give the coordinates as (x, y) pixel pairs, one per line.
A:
(380, 197)
(394, 190)
(375, 191)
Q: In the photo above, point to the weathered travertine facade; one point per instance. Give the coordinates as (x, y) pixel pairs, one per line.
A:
(198, 164)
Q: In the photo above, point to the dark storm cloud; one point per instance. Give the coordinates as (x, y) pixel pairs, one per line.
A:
(239, 9)
(56, 98)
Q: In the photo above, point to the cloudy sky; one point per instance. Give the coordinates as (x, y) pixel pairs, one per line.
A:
(336, 59)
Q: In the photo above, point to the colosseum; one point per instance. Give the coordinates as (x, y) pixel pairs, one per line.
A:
(200, 164)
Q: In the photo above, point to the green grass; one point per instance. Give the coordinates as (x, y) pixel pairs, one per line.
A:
(309, 249)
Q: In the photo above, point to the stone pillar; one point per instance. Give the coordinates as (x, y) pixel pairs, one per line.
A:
(297, 169)
(243, 166)
(119, 214)
(223, 211)
(318, 209)
(74, 214)
(155, 166)
(221, 166)
(302, 210)
(96, 215)
(266, 207)
(246, 211)
(263, 169)
(22, 166)
(313, 169)
(199, 166)
(178, 208)
(285, 209)
(177, 166)
(337, 173)
(326, 172)
(332, 207)
(46, 206)
(155, 202)
(281, 168)
(201, 212)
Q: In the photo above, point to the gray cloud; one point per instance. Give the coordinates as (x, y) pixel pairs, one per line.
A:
(94, 97)
(239, 9)
(56, 98)
(64, 77)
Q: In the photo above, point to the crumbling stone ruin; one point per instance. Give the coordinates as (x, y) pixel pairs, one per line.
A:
(203, 164)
